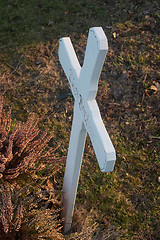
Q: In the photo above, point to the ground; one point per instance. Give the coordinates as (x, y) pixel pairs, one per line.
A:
(123, 204)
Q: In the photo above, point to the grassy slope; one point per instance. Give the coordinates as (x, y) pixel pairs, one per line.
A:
(125, 203)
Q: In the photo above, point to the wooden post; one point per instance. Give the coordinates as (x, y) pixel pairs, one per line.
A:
(84, 83)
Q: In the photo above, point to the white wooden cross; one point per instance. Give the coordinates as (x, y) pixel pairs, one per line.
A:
(84, 83)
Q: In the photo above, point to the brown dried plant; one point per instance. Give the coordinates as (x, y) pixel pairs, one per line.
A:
(11, 215)
(20, 148)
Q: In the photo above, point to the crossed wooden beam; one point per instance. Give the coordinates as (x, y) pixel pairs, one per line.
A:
(84, 84)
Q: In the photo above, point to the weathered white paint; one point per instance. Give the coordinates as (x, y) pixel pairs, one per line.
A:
(84, 83)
